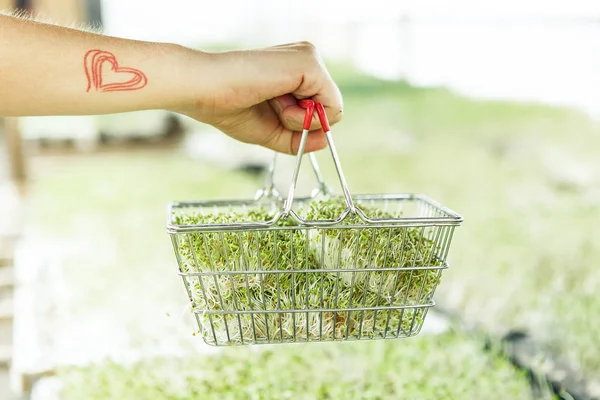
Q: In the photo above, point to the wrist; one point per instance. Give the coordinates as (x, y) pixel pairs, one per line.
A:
(195, 79)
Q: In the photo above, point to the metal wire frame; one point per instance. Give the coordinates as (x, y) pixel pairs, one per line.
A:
(436, 215)
(227, 321)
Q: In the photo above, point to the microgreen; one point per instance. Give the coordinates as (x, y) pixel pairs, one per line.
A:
(350, 299)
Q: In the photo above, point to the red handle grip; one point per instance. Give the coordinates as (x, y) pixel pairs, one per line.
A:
(322, 117)
(309, 105)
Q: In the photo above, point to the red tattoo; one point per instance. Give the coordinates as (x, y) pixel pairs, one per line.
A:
(93, 61)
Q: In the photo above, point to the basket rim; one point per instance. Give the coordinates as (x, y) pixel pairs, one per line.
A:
(450, 217)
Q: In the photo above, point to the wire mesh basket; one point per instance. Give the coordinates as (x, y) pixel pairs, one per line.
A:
(320, 268)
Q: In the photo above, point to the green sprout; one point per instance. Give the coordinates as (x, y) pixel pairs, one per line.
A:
(233, 273)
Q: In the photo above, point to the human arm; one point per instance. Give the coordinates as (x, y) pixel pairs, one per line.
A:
(250, 95)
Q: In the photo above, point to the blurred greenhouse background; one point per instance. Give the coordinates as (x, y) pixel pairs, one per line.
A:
(490, 108)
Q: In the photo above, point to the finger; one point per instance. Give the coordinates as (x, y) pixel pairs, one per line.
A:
(334, 114)
(332, 101)
(292, 115)
(315, 141)
(321, 87)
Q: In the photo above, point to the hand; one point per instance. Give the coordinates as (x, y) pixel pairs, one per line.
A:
(249, 95)
(254, 93)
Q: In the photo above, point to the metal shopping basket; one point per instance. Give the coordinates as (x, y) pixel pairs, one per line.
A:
(324, 267)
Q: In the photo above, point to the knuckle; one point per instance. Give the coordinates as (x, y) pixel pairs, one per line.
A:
(312, 83)
(307, 46)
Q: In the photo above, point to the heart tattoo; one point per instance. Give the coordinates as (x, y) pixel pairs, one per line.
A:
(126, 78)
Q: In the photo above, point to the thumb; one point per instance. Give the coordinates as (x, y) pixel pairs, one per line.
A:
(291, 114)
(288, 139)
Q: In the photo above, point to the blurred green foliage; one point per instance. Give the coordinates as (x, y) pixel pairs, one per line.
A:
(524, 176)
(445, 367)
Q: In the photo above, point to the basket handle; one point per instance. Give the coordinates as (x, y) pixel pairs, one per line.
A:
(311, 106)
(269, 190)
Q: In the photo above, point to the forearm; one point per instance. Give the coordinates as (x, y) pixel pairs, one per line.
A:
(52, 70)
(249, 95)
